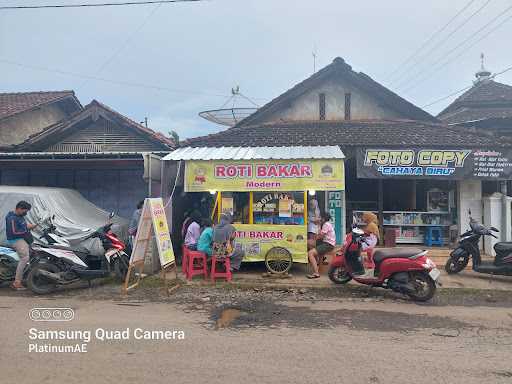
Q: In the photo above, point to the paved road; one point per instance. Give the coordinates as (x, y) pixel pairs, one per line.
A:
(259, 337)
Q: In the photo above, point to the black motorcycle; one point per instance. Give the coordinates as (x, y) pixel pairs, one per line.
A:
(469, 248)
(57, 265)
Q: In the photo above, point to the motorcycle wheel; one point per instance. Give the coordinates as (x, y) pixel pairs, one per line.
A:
(39, 284)
(338, 275)
(424, 287)
(121, 264)
(455, 266)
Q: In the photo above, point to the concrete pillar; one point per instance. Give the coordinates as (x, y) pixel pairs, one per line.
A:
(469, 197)
(506, 234)
(493, 206)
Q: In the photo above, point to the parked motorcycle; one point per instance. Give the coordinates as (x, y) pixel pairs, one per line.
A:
(405, 270)
(468, 247)
(9, 257)
(57, 265)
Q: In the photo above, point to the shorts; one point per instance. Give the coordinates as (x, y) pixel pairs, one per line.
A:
(322, 247)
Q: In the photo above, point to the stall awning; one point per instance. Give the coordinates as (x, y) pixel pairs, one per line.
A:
(245, 169)
(256, 153)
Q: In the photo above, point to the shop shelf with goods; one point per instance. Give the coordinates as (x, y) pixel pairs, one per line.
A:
(410, 225)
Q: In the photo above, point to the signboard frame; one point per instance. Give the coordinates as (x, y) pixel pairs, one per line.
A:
(152, 227)
(264, 175)
(434, 163)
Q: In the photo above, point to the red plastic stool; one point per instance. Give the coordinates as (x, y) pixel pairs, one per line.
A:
(194, 269)
(184, 259)
(227, 265)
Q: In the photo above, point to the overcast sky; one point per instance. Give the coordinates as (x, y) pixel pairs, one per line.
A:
(201, 50)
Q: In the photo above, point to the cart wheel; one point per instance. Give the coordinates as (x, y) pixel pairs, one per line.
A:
(278, 260)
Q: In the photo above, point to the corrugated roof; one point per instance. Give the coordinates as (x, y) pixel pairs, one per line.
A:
(262, 153)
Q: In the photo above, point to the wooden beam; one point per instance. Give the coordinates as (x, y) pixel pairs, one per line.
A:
(381, 208)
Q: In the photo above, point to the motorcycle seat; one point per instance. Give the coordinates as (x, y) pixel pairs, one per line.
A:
(503, 247)
(381, 254)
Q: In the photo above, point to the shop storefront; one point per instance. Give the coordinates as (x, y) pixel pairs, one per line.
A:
(420, 193)
(266, 190)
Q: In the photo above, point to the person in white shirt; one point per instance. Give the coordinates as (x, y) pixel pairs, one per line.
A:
(313, 222)
(193, 231)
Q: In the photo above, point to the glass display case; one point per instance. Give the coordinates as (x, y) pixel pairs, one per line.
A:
(285, 208)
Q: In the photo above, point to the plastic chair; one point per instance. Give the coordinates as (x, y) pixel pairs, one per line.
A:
(434, 236)
(184, 251)
(193, 268)
(220, 255)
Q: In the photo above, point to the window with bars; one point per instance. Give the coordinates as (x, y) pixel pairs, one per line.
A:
(347, 106)
(321, 106)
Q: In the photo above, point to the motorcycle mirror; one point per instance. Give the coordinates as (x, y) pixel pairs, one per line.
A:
(53, 217)
(494, 229)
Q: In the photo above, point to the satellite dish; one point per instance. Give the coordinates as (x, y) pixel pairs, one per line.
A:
(230, 116)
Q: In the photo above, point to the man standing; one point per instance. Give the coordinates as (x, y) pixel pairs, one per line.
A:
(17, 232)
(134, 222)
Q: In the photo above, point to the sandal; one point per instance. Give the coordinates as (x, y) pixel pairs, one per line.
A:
(313, 276)
(22, 288)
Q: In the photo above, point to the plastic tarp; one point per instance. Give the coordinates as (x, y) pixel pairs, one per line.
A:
(75, 217)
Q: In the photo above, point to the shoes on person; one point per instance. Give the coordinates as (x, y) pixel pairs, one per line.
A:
(368, 273)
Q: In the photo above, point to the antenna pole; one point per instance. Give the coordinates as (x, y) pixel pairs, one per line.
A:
(314, 59)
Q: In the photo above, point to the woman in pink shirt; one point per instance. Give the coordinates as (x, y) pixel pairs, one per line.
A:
(325, 244)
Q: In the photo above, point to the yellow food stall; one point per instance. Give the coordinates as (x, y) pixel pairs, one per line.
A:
(265, 189)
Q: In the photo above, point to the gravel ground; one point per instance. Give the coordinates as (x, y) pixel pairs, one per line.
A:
(285, 335)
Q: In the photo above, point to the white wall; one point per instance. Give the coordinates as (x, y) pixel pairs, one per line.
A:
(469, 197)
(493, 208)
(306, 107)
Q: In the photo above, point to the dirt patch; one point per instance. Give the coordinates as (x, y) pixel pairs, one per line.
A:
(251, 314)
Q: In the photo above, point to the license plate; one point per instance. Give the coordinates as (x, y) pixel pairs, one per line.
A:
(434, 274)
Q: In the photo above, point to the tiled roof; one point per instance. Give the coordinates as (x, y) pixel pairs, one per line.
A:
(13, 103)
(474, 114)
(349, 133)
(486, 100)
(336, 70)
(147, 131)
(91, 108)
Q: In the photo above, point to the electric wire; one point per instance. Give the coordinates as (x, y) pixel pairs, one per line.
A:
(84, 5)
(430, 39)
(465, 51)
(464, 89)
(118, 82)
(399, 81)
(121, 47)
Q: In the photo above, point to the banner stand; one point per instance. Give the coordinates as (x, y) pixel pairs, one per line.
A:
(152, 224)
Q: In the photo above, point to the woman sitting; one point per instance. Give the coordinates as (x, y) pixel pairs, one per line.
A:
(371, 229)
(223, 237)
(326, 242)
(193, 231)
(206, 239)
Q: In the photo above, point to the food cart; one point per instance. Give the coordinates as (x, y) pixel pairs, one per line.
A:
(265, 189)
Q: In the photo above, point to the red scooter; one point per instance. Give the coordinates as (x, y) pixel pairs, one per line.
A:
(405, 270)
